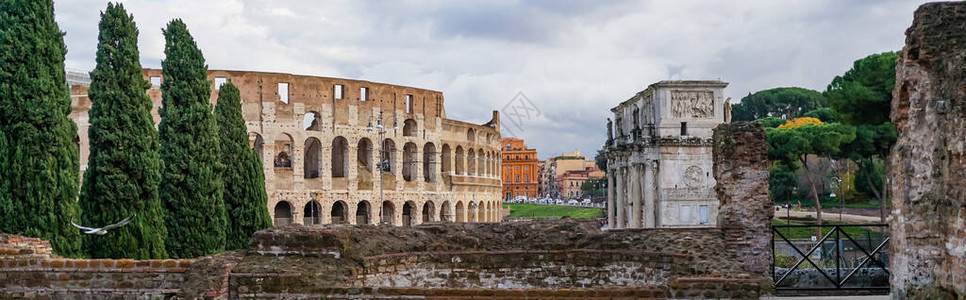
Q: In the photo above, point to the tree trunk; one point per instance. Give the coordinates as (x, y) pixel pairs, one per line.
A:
(818, 204)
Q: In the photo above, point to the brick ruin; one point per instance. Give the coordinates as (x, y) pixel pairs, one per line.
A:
(566, 258)
(928, 163)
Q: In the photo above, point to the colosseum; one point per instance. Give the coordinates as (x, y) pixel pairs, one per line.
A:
(357, 152)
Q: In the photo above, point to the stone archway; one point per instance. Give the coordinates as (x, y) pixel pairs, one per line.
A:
(407, 213)
(362, 213)
(387, 213)
(445, 213)
(311, 213)
(429, 210)
(339, 213)
(283, 213)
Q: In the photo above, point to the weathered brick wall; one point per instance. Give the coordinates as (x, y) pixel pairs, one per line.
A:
(927, 167)
(741, 172)
(19, 247)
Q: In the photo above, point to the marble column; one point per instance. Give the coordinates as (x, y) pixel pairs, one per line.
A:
(610, 199)
(619, 221)
(635, 181)
(650, 195)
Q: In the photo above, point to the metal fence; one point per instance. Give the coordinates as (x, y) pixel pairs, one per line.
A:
(846, 257)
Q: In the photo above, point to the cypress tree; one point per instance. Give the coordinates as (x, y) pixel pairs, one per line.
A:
(40, 167)
(245, 197)
(191, 186)
(124, 167)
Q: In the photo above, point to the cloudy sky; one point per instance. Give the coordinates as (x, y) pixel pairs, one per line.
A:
(572, 59)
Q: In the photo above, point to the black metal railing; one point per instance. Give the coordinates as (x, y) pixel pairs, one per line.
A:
(837, 252)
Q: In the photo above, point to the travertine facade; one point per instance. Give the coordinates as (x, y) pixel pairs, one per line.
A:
(659, 156)
(321, 157)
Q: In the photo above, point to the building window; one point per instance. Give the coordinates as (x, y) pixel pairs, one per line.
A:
(518, 178)
(526, 178)
(219, 81)
(409, 104)
(337, 91)
(363, 94)
(283, 92)
(685, 214)
(526, 168)
(684, 128)
(156, 81)
(507, 147)
(703, 214)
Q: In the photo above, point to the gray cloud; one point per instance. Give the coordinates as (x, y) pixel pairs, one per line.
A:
(573, 59)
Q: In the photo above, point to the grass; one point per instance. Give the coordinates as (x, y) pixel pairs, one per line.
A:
(549, 211)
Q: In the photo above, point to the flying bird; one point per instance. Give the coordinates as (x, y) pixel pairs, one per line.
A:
(103, 230)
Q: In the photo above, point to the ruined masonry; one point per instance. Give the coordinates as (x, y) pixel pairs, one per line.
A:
(927, 167)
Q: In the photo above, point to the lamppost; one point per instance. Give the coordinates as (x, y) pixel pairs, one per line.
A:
(383, 164)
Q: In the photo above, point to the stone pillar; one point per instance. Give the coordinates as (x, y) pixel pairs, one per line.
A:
(416, 216)
(611, 209)
(926, 168)
(650, 194)
(745, 212)
(635, 190)
(621, 195)
(351, 211)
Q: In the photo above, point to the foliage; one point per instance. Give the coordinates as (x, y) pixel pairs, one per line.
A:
(824, 114)
(771, 122)
(799, 122)
(786, 103)
(781, 183)
(863, 95)
(552, 211)
(245, 199)
(39, 170)
(601, 160)
(845, 186)
(124, 167)
(869, 177)
(594, 187)
(191, 185)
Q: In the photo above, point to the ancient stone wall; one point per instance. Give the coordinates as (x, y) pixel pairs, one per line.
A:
(927, 167)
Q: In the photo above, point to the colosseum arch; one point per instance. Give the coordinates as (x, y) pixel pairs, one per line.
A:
(480, 162)
(364, 154)
(484, 211)
(460, 161)
(471, 135)
(283, 213)
(445, 212)
(387, 213)
(339, 213)
(429, 162)
(460, 212)
(388, 153)
(311, 213)
(429, 211)
(313, 158)
(363, 211)
(446, 157)
(312, 121)
(407, 213)
(473, 215)
(340, 153)
(283, 151)
(471, 162)
(256, 142)
(409, 161)
(409, 127)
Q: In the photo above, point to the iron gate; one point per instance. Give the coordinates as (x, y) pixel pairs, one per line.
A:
(850, 258)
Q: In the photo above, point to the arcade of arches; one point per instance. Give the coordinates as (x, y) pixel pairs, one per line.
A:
(321, 149)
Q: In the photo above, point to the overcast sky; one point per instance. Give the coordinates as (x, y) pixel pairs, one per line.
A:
(573, 60)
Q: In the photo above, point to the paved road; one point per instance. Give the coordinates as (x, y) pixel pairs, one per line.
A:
(847, 218)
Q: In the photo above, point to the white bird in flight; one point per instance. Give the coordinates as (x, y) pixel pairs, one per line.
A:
(103, 230)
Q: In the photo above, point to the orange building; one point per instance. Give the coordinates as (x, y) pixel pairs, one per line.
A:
(519, 169)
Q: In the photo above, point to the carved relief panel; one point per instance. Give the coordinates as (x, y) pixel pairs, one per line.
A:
(692, 104)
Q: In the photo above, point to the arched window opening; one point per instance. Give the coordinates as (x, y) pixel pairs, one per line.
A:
(429, 162)
(445, 213)
(471, 135)
(313, 157)
(480, 162)
(283, 213)
(388, 155)
(362, 213)
(460, 161)
(472, 212)
(446, 157)
(429, 210)
(312, 121)
(340, 150)
(409, 162)
(471, 162)
(283, 146)
(407, 212)
(310, 214)
(339, 213)
(364, 155)
(460, 212)
(256, 142)
(386, 216)
(409, 127)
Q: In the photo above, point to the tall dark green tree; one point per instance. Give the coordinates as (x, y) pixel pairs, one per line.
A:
(863, 97)
(124, 168)
(191, 185)
(39, 172)
(786, 103)
(244, 178)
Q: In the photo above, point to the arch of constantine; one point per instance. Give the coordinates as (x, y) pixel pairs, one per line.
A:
(323, 141)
